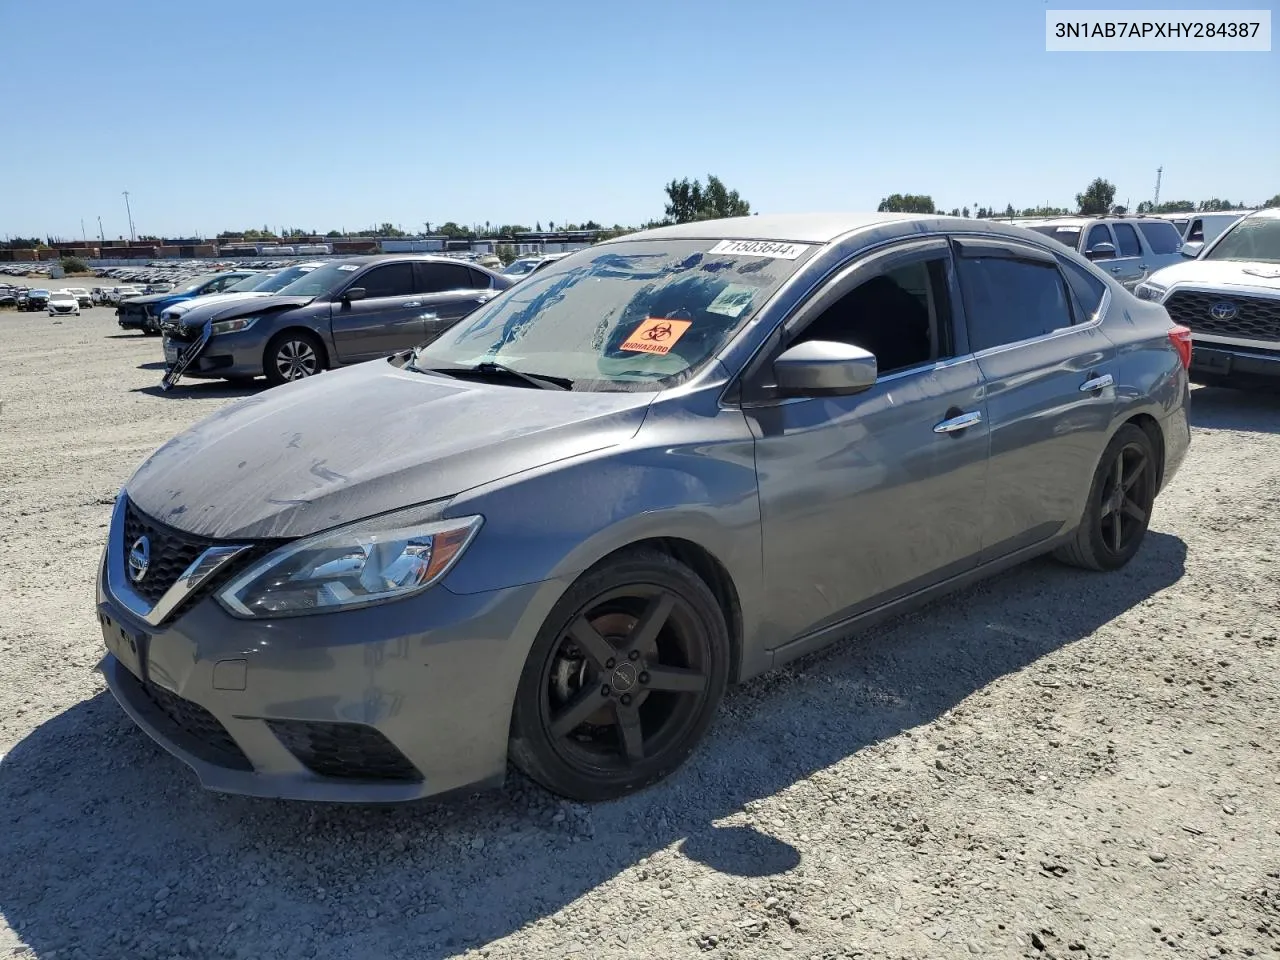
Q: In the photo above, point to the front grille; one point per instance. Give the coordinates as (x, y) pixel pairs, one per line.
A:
(206, 737)
(344, 751)
(1256, 318)
(173, 551)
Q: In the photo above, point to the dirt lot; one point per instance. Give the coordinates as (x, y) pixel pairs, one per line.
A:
(1057, 764)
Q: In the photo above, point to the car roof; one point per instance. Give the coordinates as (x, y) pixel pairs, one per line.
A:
(792, 227)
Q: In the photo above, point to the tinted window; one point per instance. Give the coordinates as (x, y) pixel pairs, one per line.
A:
(388, 280)
(1067, 236)
(900, 316)
(479, 281)
(1196, 234)
(1010, 300)
(1087, 288)
(442, 277)
(1162, 237)
(1098, 233)
(1128, 239)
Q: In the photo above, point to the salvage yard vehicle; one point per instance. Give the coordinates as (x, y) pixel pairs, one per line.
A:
(37, 299)
(143, 312)
(251, 287)
(82, 295)
(345, 312)
(1229, 297)
(63, 303)
(1130, 248)
(668, 462)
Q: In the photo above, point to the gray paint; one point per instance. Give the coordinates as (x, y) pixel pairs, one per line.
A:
(825, 512)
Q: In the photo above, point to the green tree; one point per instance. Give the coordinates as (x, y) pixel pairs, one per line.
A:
(505, 252)
(1273, 202)
(334, 234)
(1009, 211)
(454, 231)
(955, 212)
(74, 265)
(688, 200)
(390, 230)
(964, 211)
(906, 203)
(1097, 198)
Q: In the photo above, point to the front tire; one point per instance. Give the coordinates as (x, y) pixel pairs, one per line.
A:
(623, 679)
(293, 355)
(1118, 510)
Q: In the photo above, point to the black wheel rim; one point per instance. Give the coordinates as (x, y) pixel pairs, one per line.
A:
(296, 359)
(627, 677)
(1125, 499)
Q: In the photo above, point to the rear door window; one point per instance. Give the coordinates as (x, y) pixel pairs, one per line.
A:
(1162, 236)
(443, 277)
(1007, 300)
(1128, 238)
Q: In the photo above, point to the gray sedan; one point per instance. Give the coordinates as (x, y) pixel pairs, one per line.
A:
(343, 312)
(664, 464)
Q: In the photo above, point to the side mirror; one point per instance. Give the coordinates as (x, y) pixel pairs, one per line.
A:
(824, 368)
(353, 293)
(1101, 251)
(1192, 248)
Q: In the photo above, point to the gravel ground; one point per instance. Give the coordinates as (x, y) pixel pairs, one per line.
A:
(1055, 764)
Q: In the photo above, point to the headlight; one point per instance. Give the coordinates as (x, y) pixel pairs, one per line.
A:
(233, 326)
(355, 566)
(1151, 291)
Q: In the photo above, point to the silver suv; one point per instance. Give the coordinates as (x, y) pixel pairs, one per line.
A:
(1131, 248)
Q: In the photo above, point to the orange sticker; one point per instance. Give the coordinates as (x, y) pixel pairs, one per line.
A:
(656, 335)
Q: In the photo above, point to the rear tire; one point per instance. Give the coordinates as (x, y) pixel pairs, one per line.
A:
(1118, 510)
(292, 355)
(623, 679)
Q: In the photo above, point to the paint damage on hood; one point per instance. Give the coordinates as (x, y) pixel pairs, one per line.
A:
(365, 440)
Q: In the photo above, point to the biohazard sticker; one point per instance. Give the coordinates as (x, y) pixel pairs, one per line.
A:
(656, 335)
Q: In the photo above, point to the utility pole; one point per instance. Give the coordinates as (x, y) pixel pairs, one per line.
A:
(83, 236)
(101, 236)
(1155, 204)
(132, 236)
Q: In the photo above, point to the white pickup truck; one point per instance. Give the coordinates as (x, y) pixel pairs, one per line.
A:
(1229, 295)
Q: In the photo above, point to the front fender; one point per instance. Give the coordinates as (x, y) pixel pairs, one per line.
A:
(557, 521)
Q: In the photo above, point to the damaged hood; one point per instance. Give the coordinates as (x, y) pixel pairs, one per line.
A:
(343, 446)
(195, 318)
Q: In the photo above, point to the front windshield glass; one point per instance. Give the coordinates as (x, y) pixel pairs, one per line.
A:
(193, 285)
(251, 282)
(520, 267)
(637, 315)
(321, 280)
(1253, 238)
(278, 280)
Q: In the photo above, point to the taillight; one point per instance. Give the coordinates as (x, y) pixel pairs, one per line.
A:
(1180, 337)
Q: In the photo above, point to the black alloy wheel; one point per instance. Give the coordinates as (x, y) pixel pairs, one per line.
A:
(1118, 511)
(623, 680)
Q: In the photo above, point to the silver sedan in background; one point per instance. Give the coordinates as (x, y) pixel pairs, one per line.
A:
(664, 464)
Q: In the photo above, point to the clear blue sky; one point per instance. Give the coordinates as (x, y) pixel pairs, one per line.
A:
(325, 114)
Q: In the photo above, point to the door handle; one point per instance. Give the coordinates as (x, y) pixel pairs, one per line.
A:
(955, 424)
(1142, 266)
(1115, 269)
(413, 303)
(1097, 383)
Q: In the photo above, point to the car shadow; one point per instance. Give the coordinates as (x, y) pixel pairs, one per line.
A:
(153, 365)
(140, 337)
(1220, 408)
(202, 389)
(106, 839)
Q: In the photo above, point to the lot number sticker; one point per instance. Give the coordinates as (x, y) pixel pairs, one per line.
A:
(656, 335)
(760, 248)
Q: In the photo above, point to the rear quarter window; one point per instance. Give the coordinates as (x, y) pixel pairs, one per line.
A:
(1162, 237)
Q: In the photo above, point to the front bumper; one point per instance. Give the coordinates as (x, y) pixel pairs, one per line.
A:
(1219, 363)
(394, 702)
(225, 355)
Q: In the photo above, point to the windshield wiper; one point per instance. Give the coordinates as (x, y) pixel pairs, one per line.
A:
(488, 368)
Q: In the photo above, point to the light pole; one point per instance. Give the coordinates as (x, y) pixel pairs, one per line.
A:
(101, 236)
(132, 237)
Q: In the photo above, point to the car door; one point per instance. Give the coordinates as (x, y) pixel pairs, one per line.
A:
(1106, 257)
(386, 319)
(1132, 259)
(869, 497)
(1049, 374)
(449, 291)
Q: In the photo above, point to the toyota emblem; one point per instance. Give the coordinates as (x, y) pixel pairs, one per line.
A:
(139, 559)
(1225, 310)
